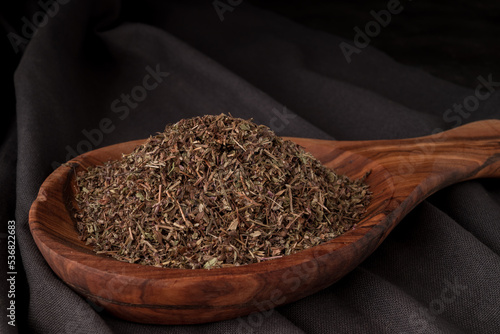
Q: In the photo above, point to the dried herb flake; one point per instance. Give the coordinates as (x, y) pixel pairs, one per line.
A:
(211, 192)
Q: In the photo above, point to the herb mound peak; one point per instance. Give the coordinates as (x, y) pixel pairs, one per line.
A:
(214, 191)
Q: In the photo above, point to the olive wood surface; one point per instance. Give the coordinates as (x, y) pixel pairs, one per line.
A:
(402, 174)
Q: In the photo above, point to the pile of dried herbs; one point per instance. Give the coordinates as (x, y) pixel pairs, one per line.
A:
(214, 191)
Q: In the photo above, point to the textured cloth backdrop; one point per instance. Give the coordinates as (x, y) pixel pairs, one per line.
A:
(76, 88)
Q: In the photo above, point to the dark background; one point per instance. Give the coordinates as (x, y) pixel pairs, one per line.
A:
(453, 40)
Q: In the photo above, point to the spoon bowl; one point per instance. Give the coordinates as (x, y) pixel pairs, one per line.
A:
(402, 174)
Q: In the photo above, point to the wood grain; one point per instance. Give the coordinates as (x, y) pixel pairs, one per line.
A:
(403, 173)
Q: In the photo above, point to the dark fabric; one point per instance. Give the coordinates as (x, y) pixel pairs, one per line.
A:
(76, 89)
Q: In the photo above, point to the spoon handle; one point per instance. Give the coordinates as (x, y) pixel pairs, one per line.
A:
(419, 166)
(463, 153)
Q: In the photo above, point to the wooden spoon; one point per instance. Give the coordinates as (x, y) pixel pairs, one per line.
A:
(403, 173)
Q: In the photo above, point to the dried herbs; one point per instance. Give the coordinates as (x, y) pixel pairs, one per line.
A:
(214, 191)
